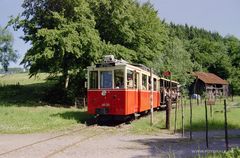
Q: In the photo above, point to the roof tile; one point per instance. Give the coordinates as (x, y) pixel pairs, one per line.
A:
(210, 78)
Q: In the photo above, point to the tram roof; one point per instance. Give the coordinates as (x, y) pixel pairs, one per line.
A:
(121, 63)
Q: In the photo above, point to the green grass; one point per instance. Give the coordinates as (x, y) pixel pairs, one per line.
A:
(216, 122)
(233, 153)
(39, 119)
(22, 111)
(21, 90)
(22, 79)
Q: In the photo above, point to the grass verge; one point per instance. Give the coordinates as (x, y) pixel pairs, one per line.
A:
(39, 119)
(22, 110)
(216, 120)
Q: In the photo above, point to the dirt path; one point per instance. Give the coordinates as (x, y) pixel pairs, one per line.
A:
(111, 142)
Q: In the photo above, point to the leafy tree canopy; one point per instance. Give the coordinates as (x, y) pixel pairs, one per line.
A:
(128, 25)
(69, 35)
(62, 34)
(7, 54)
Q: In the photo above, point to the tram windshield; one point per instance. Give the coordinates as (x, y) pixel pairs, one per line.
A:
(119, 78)
(106, 79)
(93, 79)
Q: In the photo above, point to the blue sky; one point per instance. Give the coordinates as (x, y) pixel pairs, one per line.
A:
(221, 16)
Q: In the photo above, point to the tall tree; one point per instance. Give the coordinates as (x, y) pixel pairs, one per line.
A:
(177, 60)
(62, 34)
(7, 54)
(71, 34)
(127, 25)
(233, 49)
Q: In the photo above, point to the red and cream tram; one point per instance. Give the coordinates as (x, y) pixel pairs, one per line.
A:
(117, 88)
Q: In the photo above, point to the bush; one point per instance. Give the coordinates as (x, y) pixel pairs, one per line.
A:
(59, 95)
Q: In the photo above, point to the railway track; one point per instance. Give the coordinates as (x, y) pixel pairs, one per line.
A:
(56, 138)
(42, 141)
(71, 145)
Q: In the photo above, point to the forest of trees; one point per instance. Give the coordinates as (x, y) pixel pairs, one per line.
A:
(210, 52)
(69, 35)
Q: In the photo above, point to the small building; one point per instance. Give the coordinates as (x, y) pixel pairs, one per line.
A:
(209, 84)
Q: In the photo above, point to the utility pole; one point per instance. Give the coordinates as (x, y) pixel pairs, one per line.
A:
(169, 105)
(151, 97)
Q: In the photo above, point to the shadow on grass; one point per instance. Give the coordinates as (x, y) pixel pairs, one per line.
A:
(212, 125)
(22, 95)
(80, 116)
(182, 147)
(84, 118)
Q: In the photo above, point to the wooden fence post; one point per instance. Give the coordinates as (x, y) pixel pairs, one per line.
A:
(190, 118)
(211, 111)
(182, 107)
(168, 114)
(225, 124)
(84, 102)
(206, 115)
(175, 121)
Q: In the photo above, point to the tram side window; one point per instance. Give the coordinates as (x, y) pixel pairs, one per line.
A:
(144, 82)
(106, 79)
(154, 84)
(93, 79)
(119, 78)
(161, 83)
(130, 83)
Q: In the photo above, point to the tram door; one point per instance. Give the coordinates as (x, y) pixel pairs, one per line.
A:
(136, 87)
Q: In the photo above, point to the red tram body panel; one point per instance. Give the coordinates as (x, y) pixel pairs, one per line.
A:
(121, 102)
(115, 101)
(118, 88)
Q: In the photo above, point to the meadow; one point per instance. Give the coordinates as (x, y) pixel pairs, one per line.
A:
(215, 118)
(22, 109)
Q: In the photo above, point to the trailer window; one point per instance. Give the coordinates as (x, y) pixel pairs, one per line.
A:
(93, 78)
(144, 82)
(130, 79)
(106, 79)
(161, 83)
(119, 78)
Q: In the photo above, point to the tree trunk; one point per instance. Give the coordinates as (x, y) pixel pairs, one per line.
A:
(65, 71)
(66, 77)
(66, 81)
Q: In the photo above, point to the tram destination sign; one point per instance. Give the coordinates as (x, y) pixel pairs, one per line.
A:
(166, 73)
(105, 65)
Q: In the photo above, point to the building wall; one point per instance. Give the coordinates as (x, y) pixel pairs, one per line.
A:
(199, 87)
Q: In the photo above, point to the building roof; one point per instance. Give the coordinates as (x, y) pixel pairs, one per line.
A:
(210, 78)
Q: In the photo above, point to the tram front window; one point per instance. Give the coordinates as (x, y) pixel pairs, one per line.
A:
(119, 78)
(106, 79)
(93, 79)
